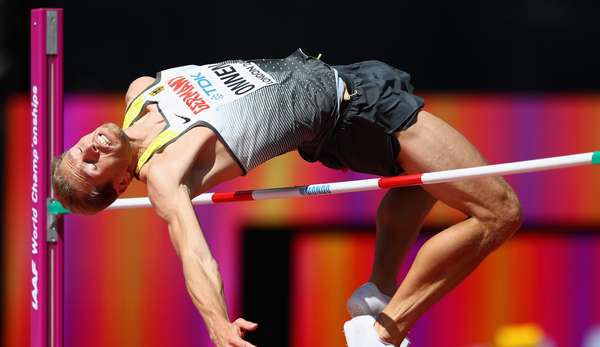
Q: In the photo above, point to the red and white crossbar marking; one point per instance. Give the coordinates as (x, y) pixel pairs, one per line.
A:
(383, 182)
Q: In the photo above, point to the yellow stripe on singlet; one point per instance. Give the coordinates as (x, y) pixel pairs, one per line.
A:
(158, 142)
(134, 110)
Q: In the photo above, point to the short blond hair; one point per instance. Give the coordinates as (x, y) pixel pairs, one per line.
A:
(96, 200)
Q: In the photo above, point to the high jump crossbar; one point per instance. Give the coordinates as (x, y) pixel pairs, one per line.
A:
(46, 142)
(519, 167)
(383, 182)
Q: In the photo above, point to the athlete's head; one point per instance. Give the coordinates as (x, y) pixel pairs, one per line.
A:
(90, 175)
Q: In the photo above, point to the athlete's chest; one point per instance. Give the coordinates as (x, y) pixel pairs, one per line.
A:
(191, 94)
(199, 159)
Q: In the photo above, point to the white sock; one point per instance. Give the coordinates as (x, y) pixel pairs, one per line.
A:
(367, 300)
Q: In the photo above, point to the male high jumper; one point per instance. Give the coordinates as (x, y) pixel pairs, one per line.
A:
(193, 127)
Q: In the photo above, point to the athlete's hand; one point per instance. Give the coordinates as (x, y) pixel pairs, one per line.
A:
(243, 326)
(234, 333)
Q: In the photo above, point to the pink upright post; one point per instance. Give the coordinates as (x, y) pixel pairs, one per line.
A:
(46, 142)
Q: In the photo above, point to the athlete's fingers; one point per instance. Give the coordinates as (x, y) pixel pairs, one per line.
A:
(245, 325)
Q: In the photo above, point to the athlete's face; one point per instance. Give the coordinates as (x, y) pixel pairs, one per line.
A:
(100, 157)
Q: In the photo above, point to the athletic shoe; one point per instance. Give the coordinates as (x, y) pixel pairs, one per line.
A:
(360, 332)
(367, 300)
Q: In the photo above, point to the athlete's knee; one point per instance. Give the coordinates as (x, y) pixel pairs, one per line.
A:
(504, 218)
(510, 212)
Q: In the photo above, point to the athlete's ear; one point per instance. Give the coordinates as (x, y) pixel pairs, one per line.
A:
(122, 182)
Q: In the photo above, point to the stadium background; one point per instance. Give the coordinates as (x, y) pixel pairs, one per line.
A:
(519, 78)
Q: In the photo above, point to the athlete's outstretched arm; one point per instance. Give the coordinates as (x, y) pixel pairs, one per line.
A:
(202, 278)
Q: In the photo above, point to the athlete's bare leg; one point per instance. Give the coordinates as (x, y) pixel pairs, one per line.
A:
(493, 212)
(399, 220)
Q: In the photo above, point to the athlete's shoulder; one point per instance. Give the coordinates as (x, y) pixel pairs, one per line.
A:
(137, 86)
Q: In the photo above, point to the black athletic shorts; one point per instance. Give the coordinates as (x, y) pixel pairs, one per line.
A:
(382, 103)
